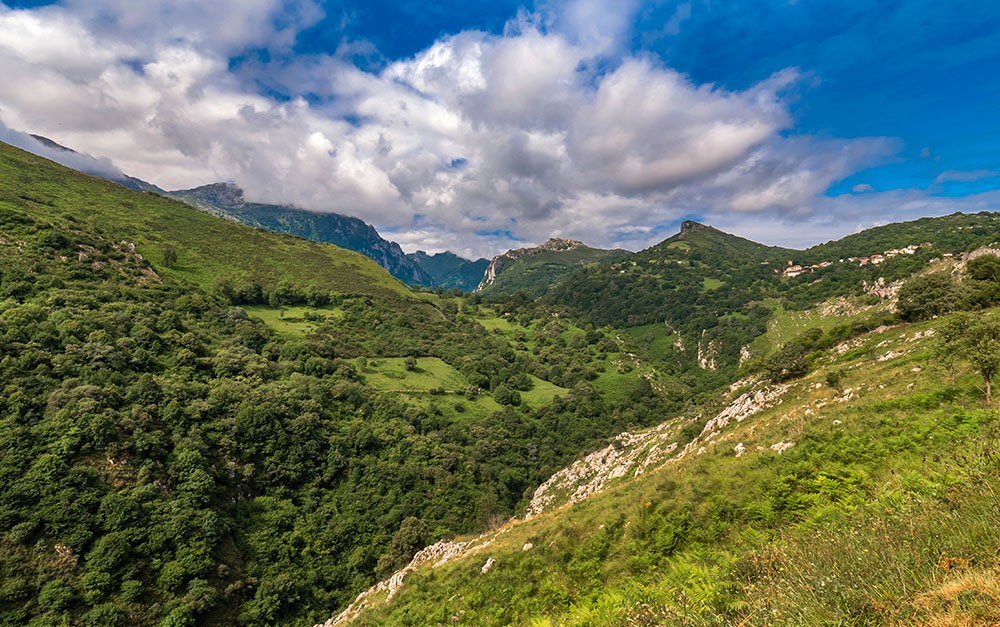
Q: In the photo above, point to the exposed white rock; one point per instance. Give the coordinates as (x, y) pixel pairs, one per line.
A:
(527, 546)
(488, 565)
(743, 407)
(628, 452)
(882, 290)
(781, 447)
(436, 555)
(708, 353)
(890, 355)
(739, 449)
(554, 244)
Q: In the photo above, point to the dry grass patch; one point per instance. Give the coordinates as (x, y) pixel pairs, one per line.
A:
(965, 599)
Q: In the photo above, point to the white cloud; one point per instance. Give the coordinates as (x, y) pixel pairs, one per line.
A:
(965, 176)
(474, 138)
(84, 163)
(862, 188)
(599, 26)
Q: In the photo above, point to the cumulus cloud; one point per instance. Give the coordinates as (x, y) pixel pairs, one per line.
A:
(478, 143)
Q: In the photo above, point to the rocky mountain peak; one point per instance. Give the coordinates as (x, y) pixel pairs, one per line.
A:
(691, 225)
(558, 244)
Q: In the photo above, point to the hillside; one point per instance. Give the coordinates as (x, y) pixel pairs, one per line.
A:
(346, 232)
(955, 233)
(536, 270)
(862, 493)
(193, 434)
(710, 294)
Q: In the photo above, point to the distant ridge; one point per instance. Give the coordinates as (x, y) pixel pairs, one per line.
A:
(228, 200)
(536, 269)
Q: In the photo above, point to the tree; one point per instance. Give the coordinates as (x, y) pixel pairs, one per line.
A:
(790, 362)
(408, 539)
(410, 363)
(984, 268)
(983, 282)
(169, 257)
(927, 296)
(835, 378)
(977, 340)
(506, 396)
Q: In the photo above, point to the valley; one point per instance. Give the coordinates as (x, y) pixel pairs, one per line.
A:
(207, 423)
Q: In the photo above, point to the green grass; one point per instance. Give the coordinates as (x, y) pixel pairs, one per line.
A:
(541, 393)
(784, 326)
(492, 323)
(294, 321)
(708, 284)
(654, 340)
(390, 375)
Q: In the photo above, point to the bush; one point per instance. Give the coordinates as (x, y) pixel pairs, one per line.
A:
(928, 296)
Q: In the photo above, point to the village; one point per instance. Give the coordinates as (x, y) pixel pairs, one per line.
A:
(794, 270)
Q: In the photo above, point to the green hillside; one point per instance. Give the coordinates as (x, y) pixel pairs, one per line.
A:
(955, 233)
(709, 287)
(204, 423)
(871, 501)
(534, 271)
(347, 232)
(207, 251)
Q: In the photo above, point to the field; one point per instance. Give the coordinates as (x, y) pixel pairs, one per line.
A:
(293, 321)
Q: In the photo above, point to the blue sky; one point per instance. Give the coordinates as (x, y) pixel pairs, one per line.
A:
(477, 126)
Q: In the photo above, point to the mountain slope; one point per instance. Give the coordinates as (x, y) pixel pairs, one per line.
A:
(346, 232)
(869, 502)
(536, 270)
(448, 270)
(100, 167)
(205, 250)
(955, 233)
(711, 293)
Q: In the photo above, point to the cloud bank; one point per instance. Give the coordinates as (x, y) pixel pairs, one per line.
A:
(477, 144)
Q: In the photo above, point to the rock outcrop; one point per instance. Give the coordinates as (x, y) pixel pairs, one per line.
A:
(554, 244)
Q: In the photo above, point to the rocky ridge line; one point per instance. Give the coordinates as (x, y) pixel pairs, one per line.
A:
(629, 452)
(554, 244)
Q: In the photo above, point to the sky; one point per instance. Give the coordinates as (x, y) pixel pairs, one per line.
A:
(479, 126)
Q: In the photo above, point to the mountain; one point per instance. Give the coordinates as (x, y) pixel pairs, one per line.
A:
(955, 233)
(346, 232)
(444, 270)
(448, 270)
(206, 423)
(99, 167)
(536, 270)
